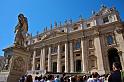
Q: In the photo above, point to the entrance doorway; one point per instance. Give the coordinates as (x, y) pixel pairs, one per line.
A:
(113, 57)
(54, 67)
(63, 68)
(78, 65)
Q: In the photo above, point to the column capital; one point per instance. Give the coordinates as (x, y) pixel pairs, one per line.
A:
(35, 48)
(49, 45)
(96, 34)
(119, 30)
(59, 42)
(66, 42)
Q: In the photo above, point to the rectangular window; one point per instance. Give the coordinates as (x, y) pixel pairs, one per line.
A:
(63, 48)
(62, 30)
(77, 44)
(77, 54)
(105, 19)
(26, 42)
(39, 38)
(110, 40)
(54, 67)
(33, 41)
(88, 25)
(75, 28)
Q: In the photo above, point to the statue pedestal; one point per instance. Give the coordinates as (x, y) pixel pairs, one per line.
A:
(18, 63)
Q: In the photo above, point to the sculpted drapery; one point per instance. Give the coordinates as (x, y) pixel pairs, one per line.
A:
(21, 30)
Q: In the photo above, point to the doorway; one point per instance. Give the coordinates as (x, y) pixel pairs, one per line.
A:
(54, 67)
(63, 69)
(78, 65)
(113, 57)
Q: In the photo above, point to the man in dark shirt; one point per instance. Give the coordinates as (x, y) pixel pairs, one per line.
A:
(62, 78)
(116, 74)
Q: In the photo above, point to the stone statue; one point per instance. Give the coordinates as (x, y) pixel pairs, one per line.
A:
(21, 30)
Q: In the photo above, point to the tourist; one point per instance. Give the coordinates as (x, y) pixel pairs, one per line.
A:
(78, 79)
(44, 79)
(22, 79)
(73, 79)
(29, 79)
(84, 78)
(95, 77)
(39, 78)
(57, 79)
(36, 79)
(50, 78)
(62, 78)
(90, 78)
(115, 76)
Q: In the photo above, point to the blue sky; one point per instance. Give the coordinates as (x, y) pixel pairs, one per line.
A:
(41, 13)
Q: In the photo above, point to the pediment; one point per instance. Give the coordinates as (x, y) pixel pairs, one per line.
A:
(52, 34)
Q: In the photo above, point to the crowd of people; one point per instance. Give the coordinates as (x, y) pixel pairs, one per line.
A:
(115, 76)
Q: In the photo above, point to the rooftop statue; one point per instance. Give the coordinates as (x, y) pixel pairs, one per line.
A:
(21, 30)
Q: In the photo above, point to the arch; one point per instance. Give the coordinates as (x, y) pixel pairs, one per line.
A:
(113, 57)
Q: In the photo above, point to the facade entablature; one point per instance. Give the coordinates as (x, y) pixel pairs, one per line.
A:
(102, 20)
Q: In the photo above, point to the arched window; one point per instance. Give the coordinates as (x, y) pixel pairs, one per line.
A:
(109, 39)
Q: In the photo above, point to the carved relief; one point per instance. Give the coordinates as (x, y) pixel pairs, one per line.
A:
(118, 30)
(92, 62)
(18, 64)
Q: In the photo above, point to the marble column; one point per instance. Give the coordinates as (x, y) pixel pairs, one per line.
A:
(41, 52)
(98, 53)
(33, 62)
(58, 59)
(43, 59)
(83, 56)
(66, 57)
(121, 59)
(49, 60)
(120, 42)
(71, 58)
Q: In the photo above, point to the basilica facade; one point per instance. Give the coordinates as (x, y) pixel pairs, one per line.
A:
(79, 47)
